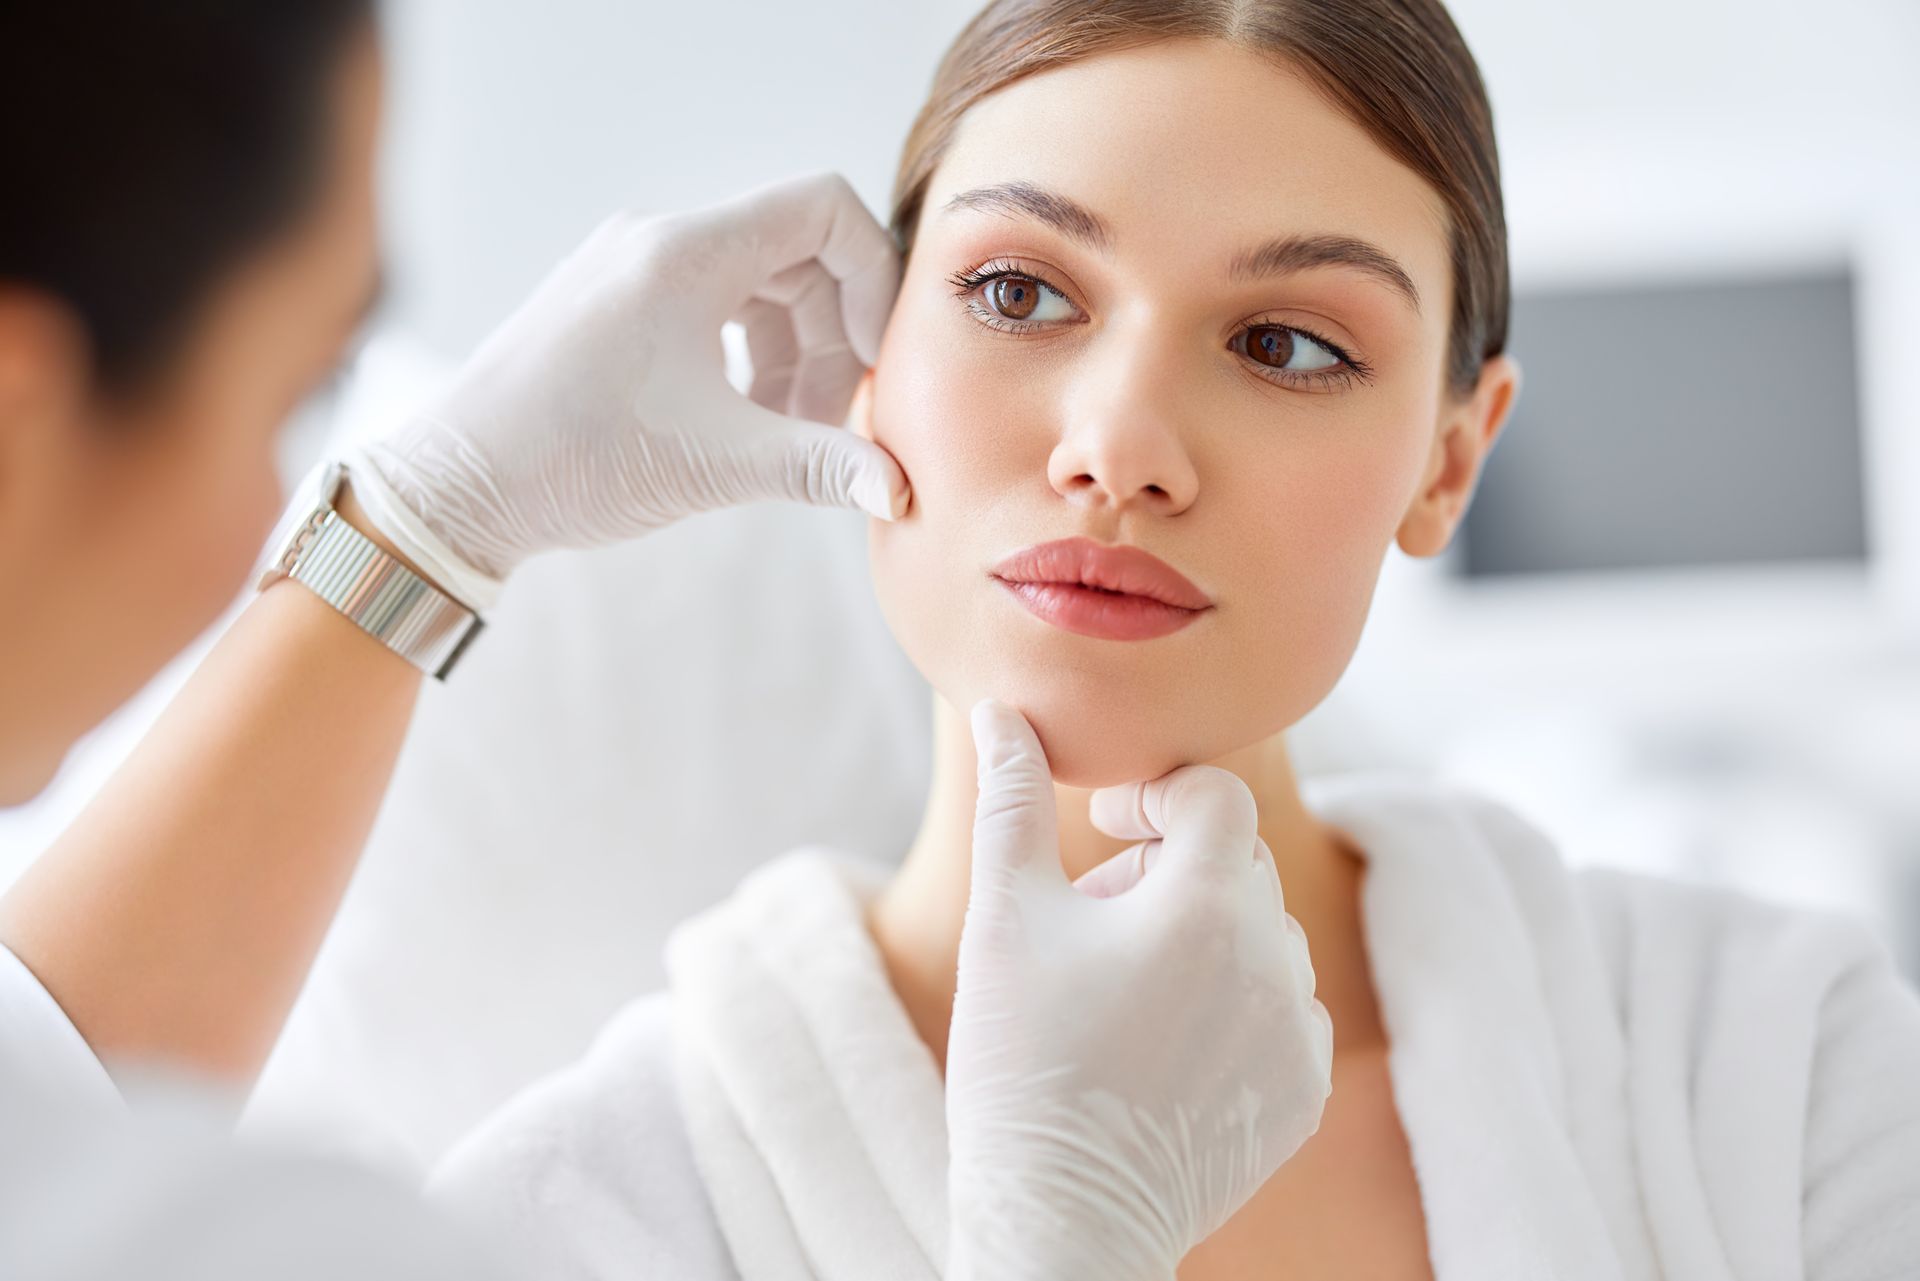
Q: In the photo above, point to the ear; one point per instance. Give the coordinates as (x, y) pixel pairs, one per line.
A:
(45, 373)
(860, 412)
(1469, 425)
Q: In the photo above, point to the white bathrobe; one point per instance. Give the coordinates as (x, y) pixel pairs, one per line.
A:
(1601, 1076)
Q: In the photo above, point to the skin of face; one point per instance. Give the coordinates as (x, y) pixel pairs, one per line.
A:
(1130, 412)
(126, 527)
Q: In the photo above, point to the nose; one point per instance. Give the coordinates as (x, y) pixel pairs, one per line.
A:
(1121, 447)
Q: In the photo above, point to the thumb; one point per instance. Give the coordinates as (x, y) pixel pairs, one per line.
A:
(828, 467)
(1015, 831)
(1203, 814)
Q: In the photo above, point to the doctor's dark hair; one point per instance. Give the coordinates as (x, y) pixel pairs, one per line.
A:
(150, 145)
(1398, 68)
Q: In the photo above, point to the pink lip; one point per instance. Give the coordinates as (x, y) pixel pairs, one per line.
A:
(1115, 592)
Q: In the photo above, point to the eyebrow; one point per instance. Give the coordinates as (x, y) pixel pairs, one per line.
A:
(1297, 253)
(1014, 199)
(1276, 257)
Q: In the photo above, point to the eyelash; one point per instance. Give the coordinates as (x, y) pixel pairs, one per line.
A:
(969, 282)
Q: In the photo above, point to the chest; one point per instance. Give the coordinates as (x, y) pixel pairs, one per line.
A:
(1345, 1205)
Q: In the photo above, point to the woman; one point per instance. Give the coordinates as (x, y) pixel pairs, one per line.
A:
(1225, 282)
(187, 246)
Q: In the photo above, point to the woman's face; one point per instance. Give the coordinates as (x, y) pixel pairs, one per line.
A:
(1167, 297)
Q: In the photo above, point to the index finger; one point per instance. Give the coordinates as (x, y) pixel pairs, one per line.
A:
(819, 218)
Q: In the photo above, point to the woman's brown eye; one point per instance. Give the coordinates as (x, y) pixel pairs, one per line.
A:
(1270, 345)
(1014, 297)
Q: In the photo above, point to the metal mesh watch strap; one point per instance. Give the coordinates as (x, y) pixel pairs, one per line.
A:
(388, 601)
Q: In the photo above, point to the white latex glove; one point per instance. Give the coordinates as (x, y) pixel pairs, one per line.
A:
(1128, 1063)
(600, 410)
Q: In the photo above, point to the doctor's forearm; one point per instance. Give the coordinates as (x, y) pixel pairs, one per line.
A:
(177, 918)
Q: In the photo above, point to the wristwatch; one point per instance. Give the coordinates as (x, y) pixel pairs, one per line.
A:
(388, 601)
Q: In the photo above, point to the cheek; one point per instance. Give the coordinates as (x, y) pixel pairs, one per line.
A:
(235, 517)
(950, 414)
(911, 558)
(938, 416)
(161, 532)
(1302, 551)
(206, 507)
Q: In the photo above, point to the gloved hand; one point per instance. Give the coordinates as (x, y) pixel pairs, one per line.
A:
(1127, 1063)
(600, 410)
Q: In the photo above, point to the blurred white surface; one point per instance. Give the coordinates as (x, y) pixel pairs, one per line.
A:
(1759, 728)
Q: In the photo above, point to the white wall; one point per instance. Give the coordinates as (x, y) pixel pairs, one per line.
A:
(516, 126)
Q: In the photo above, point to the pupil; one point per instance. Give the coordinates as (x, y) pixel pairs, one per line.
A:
(1015, 297)
(1271, 346)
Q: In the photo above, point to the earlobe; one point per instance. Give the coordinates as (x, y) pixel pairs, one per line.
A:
(1469, 426)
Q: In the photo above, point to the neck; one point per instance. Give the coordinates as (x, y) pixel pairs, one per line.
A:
(916, 919)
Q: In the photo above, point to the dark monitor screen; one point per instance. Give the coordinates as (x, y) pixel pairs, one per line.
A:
(1689, 424)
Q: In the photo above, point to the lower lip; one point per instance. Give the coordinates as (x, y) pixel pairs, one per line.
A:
(1088, 611)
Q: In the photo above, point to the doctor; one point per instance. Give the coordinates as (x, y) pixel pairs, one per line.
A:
(186, 248)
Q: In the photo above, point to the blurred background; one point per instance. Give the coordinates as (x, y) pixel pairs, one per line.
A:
(1680, 631)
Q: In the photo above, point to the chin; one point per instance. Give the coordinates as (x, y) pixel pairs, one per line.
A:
(1096, 734)
(1078, 758)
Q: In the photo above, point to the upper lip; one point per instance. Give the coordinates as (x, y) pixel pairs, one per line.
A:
(1116, 567)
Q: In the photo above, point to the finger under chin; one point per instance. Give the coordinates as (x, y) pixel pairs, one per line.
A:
(1120, 873)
